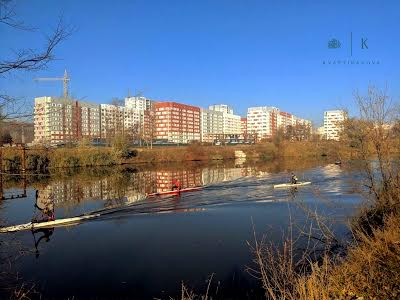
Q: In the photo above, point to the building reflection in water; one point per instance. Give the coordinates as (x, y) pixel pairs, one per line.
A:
(129, 187)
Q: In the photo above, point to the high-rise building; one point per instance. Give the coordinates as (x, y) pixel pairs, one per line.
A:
(59, 120)
(262, 121)
(121, 120)
(138, 102)
(231, 125)
(212, 123)
(176, 122)
(333, 120)
(284, 119)
(90, 120)
(112, 120)
(222, 108)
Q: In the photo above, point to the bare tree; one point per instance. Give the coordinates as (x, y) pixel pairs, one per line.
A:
(150, 127)
(29, 59)
(371, 137)
(136, 133)
(25, 59)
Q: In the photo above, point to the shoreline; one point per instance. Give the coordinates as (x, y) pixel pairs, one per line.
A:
(44, 160)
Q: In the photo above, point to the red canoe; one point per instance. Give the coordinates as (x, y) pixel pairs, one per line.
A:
(175, 191)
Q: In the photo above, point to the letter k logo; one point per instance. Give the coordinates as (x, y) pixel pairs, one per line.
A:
(364, 43)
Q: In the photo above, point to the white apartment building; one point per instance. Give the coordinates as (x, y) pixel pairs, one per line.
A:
(90, 120)
(333, 123)
(138, 102)
(222, 108)
(262, 121)
(231, 124)
(56, 120)
(133, 120)
(112, 120)
(117, 120)
(212, 123)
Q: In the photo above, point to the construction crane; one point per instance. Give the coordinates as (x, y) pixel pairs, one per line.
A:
(65, 80)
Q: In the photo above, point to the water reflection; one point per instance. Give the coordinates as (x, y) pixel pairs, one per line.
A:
(77, 192)
(130, 187)
(40, 235)
(212, 240)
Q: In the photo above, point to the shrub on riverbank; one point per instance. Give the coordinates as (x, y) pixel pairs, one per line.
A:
(40, 160)
(37, 162)
(81, 157)
(12, 163)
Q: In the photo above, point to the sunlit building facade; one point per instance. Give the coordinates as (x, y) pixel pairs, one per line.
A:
(177, 123)
(333, 126)
(212, 123)
(60, 121)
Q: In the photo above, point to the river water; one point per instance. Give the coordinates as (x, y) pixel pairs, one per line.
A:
(148, 247)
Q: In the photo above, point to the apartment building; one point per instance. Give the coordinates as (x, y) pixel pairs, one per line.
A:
(231, 124)
(57, 120)
(212, 123)
(121, 120)
(90, 120)
(284, 119)
(333, 123)
(222, 108)
(262, 121)
(176, 122)
(138, 102)
(112, 120)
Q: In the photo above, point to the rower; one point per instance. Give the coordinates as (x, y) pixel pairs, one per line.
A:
(176, 185)
(294, 179)
(45, 206)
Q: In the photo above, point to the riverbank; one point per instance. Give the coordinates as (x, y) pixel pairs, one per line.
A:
(369, 266)
(369, 270)
(41, 160)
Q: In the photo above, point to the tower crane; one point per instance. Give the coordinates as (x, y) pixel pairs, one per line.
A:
(65, 80)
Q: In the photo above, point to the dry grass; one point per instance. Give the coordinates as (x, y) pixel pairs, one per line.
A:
(371, 269)
(86, 156)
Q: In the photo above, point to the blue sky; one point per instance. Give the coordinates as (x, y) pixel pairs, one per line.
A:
(238, 52)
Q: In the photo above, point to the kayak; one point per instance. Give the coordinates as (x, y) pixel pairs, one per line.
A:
(88, 216)
(289, 185)
(175, 191)
(48, 224)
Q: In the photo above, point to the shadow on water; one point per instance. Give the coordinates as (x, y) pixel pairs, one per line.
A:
(149, 245)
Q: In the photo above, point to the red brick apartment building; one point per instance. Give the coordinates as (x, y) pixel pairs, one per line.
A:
(177, 123)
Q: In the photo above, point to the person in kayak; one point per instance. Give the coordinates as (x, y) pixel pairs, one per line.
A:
(45, 207)
(176, 185)
(294, 179)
